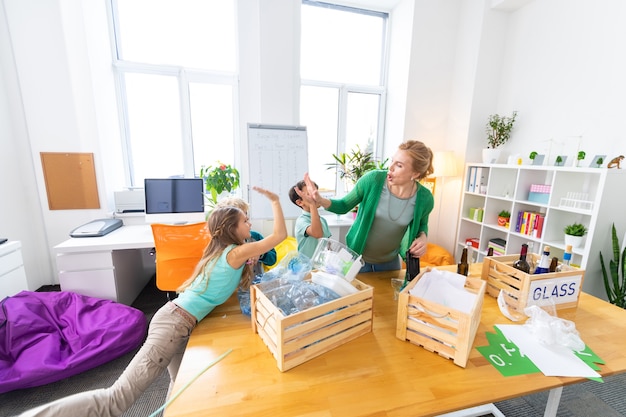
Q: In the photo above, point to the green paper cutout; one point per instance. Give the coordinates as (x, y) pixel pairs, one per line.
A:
(505, 356)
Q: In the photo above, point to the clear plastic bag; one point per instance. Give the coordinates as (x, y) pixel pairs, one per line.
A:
(293, 266)
(552, 330)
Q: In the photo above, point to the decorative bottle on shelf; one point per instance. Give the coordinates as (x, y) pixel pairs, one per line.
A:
(522, 264)
(490, 252)
(544, 262)
(463, 267)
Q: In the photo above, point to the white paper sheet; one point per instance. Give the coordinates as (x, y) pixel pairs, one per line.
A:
(445, 288)
(551, 360)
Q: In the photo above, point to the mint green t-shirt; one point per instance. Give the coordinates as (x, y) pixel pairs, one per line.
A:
(201, 298)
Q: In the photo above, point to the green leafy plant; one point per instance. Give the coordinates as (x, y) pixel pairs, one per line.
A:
(505, 214)
(581, 155)
(498, 129)
(575, 229)
(532, 155)
(219, 178)
(354, 165)
(559, 160)
(616, 286)
(599, 162)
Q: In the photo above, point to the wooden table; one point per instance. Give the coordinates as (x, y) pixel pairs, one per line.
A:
(375, 374)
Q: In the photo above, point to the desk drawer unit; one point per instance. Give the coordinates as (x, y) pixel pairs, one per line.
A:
(88, 273)
(99, 283)
(12, 274)
(84, 261)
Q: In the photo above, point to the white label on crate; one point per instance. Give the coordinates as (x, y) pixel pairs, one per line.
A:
(564, 290)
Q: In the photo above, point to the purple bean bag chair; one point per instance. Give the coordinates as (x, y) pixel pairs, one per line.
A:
(48, 336)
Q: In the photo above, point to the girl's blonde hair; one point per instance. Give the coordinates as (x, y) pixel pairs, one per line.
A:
(421, 157)
(222, 223)
(234, 202)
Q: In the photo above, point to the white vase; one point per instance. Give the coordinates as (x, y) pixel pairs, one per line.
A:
(575, 241)
(491, 155)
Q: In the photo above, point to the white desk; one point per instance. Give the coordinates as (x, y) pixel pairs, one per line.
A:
(116, 266)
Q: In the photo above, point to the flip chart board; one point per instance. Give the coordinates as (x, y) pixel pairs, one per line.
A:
(277, 159)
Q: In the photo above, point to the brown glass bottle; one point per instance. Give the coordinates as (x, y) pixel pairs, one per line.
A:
(522, 264)
(554, 264)
(463, 267)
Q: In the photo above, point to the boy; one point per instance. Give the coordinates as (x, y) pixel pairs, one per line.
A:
(309, 225)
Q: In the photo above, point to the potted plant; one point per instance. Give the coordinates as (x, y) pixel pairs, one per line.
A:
(352, 166)
(559, 161)
(615, 285)
(498, 130)
(218, 179)
(574, 234)
(504, 217)
(579, 157)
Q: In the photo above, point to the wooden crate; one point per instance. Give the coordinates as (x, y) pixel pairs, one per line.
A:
(521, 289)
(296, 338)
(437, 328)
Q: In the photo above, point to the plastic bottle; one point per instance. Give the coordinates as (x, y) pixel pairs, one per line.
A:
(544, 263)
(463, 267)
(522, 264)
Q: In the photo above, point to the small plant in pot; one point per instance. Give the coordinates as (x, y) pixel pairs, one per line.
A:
(504, 217)
(574, 234)
(579, 157)
(498, 129)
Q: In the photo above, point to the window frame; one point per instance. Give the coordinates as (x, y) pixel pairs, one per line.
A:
(344, 89)
(184, 77)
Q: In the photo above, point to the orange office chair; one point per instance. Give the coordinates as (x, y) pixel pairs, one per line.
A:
(178, 248)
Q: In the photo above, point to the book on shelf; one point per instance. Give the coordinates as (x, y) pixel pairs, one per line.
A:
(530, 223)
(498, 245)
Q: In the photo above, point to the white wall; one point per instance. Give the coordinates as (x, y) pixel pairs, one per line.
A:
(557, 62)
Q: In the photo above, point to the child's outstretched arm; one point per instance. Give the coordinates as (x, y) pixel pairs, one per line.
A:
(239, 255)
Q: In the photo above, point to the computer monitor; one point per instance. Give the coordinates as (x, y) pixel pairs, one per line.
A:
(174, 200)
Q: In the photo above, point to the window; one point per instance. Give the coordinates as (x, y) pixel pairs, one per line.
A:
(343, 88)
(177, 83)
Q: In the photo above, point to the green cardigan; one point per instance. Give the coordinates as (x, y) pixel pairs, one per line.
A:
(366, 194)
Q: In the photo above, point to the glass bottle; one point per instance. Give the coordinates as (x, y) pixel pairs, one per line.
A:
(412, 267)
(567, 255)
(463, 267)
(490, 252)
(554, 264)
(522, 264)
(544, 262)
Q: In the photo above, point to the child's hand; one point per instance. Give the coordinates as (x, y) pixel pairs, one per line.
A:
(311, 189)
(267, 193)
(306, 198)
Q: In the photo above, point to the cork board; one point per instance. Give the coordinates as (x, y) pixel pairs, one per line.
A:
(70, 180)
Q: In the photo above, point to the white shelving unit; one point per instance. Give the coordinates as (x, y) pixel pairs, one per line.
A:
(595, 197)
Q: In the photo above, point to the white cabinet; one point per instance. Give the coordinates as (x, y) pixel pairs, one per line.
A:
(594, 197)
(12, 274)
